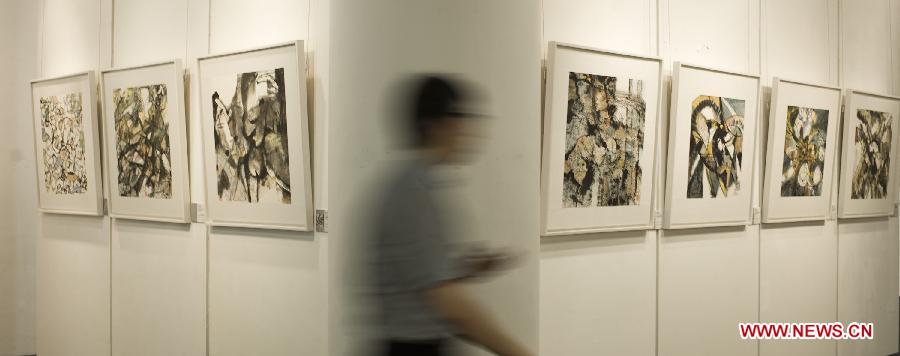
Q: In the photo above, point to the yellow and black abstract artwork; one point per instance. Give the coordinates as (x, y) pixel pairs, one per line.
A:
(804, 152)
(716, 147)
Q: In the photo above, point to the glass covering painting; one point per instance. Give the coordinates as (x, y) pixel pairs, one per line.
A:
(716, 147)
(804, 152)
(62, 136)
(251, 140)
(873, 136)
(604, 140)
(142, 142)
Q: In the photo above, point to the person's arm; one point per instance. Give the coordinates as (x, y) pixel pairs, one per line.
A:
(455, 305)
(479, 265)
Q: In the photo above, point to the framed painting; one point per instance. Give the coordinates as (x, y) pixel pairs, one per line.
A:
(146, 142)
(256, 138)
(868, 158)
(599, 141)
(803, 125)
(712, 141)
(67, 145)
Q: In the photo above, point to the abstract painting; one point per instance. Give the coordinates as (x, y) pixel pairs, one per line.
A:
(799, 160)
(716, 147)
(67, 145)
(601, 112)
(805, 138)
(251, 139)
(63, 143)
(142, 142)
(604, 139)
(146, 142)
(873, 137)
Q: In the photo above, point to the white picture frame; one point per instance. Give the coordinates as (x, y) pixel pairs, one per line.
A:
(731, 205)
(594, 211)
(219, 73)
(806, 194)
(849, 205)
(83, 176)
(131, 195)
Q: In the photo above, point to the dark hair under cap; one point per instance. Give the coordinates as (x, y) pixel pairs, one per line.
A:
(434, 98)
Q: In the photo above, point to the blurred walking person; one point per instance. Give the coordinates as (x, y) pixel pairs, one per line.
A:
(418, 285)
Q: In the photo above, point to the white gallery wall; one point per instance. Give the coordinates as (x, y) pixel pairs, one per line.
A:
(8, 263)
(73, 252)
(17, 243)
(98, 286)
(107, 286)
(595, 289)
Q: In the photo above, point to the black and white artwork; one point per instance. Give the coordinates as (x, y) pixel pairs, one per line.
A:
(872, 138)
(251, 140)
(63, 142)
(143, 147)
(256, 138)
(605, 124)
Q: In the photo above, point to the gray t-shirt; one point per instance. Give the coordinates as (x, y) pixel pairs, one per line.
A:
(410, 249)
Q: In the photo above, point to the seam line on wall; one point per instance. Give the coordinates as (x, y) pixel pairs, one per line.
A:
(762, 46)
(109, 241)
(657, 20)
(659, 232)
(668, 33)
(891, 42)
(208, 229)
(763, 42)
(112, 33)
(208, 27)
(43, 36)
(309, 36)
(308, 58)
(186, 64)
(543, 36)
(840, 56)
(828, 46)
(750, 42)
(650, 21)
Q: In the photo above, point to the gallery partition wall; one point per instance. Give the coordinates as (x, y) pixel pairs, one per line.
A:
(657, 280)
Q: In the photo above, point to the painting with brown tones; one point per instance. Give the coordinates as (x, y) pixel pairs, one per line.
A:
(604, 139)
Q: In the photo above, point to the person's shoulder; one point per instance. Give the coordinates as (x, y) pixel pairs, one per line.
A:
(401, 183)
(408, 175)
